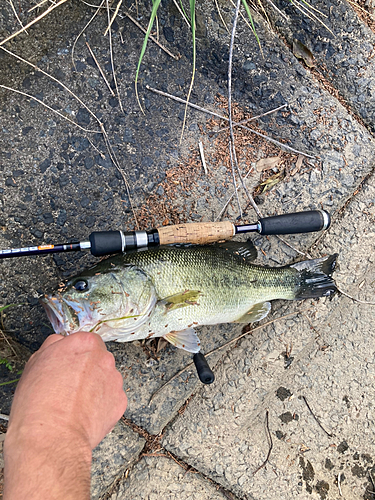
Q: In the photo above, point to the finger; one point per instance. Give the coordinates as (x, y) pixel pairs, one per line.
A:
(100, 341)
(90, 337)
(50, 340)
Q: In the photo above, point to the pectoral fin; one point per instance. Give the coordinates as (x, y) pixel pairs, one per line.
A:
(256, 313)
(185, 339)
(183, 299)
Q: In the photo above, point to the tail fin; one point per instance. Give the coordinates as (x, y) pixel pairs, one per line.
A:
(316, 277)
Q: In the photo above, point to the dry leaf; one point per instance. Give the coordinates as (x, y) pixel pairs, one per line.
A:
(271, 181)
(161, 344)
(267, 163)
(302, 52)
(297, 166)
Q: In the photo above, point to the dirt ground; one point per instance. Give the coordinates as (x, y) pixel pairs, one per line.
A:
(290, 414)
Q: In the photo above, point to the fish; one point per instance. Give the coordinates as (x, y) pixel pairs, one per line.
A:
(168, 291)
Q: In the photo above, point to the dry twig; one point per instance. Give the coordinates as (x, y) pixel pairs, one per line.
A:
(83, 30)
(100, 69)
(338, 483)
(280, 12)
(50, 9)
(270, 448)
(182, 13)
(246, 22)
(212, 113)
(15, 13)
(113, 17)
(37, 5)
(9, 344)
(231, 196)
(221, 17)
(102, 129)
(111, 55)
(316, 418)
(305, 254)
(48, 107)
(201, 151)
(232, 147)
(177, 57)
(234, 179)
(355, 300)
(242, 122)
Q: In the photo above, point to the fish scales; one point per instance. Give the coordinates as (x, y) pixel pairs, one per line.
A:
(209, 269)
(167, 291)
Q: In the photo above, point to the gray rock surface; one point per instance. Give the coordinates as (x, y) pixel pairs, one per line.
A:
(161, 477)
(117, 452)
(58, 183)
(330, 348)
(59, 186)
(342, 48)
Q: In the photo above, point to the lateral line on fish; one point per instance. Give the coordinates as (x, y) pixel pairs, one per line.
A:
(114, 319)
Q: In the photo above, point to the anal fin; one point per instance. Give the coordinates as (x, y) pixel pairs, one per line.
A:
(185, 339)
(255, 313)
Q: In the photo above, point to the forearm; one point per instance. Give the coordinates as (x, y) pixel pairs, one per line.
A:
(69, 397)
(53, 467)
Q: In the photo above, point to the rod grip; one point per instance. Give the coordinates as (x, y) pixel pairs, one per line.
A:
(299, 222)
(105, 242)
(196, 232)
(205, 374)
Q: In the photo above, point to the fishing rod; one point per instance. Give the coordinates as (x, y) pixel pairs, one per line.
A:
(111, 242)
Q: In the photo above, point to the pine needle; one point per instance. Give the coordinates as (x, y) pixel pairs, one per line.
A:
(48, 107)
(50, 9)
(113, 17)
(111, 55)
(100, 70)
(221, 17)
(192, 19)
(177, 57)
(15, 13)
(84, 29)
(310, 14)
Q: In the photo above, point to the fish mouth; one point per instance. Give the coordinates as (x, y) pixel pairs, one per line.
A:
(55, 312)
(66, 316)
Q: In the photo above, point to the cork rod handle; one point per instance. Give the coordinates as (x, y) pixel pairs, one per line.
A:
(196, 232)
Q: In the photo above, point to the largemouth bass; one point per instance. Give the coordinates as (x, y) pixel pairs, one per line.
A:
(168, 291)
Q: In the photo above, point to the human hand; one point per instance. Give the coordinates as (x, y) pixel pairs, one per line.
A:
(69, 397)
(70, 385)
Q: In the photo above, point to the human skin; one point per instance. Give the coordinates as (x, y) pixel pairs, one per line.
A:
(69, 397)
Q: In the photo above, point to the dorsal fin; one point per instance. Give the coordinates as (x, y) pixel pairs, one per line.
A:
(245, 250)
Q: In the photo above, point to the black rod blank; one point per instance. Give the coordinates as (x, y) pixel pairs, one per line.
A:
(110, 242)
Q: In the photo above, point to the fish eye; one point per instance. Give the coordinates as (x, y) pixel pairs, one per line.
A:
(81, 285)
